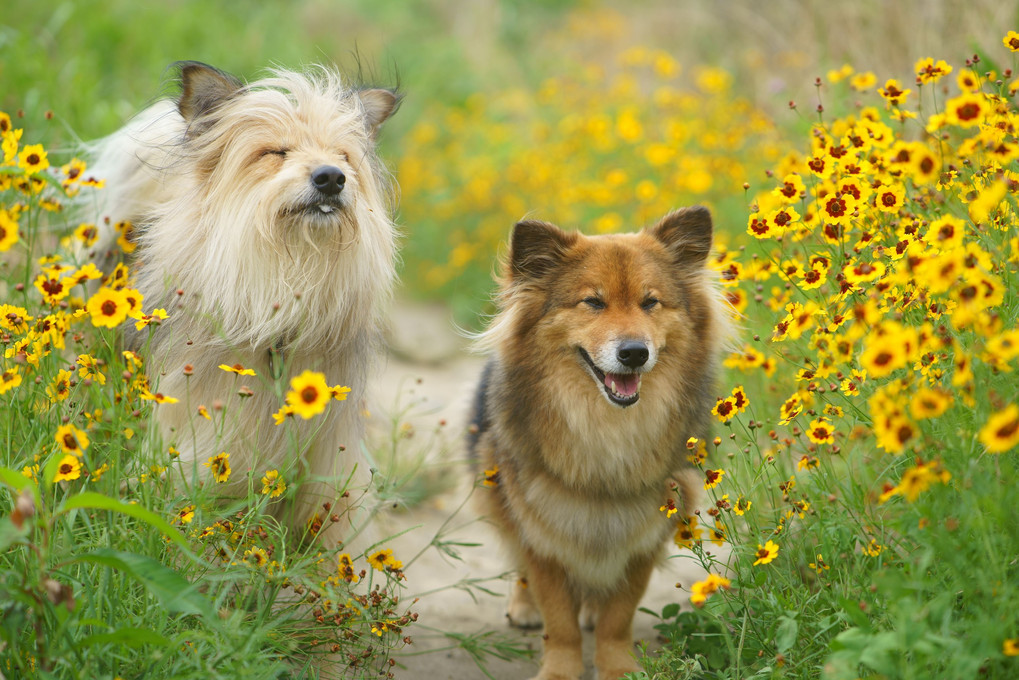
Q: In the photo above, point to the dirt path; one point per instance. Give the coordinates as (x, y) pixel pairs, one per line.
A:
(442, 390)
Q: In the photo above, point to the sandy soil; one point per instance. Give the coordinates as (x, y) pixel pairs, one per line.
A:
(442, 391)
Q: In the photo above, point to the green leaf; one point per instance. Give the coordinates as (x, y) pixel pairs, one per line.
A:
(851, 608)
(174, 592)
(10, 534)
(129, 637)
(91, 499)
(882, 653)
(785, 636)
(18, 481)
(670, 610)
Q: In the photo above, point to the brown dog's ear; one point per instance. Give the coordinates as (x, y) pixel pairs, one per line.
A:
(687, 234)
(379, 105)
(537, 248)
(202, 90)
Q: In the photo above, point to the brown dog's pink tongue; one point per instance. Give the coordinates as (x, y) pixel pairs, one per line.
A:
(626, 383)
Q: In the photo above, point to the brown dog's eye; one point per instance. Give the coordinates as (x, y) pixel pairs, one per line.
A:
(275, 152)
(649, 304)
(594, 303)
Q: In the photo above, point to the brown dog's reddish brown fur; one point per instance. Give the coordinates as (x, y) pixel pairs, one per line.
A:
(603, 365)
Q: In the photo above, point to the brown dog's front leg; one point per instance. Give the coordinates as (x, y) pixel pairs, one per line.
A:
(613, 633)
(560, 608)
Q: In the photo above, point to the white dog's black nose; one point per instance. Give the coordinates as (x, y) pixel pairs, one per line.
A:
(328, 179)
(632, 353)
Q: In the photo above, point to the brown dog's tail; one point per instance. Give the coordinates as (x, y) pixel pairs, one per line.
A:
(478, 423)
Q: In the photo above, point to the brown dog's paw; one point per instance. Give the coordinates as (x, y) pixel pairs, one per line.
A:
(521, 611)
(614, 661)
(556, 672)
(523, 615)
(616, 673)
(617, 668)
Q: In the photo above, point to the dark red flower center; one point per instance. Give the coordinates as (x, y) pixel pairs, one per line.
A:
(968, 111)
(883, 358)
(52, 286)
(1008, 430)
(836, 207)
(904, 433)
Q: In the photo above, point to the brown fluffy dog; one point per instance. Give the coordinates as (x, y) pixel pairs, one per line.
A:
(261, 216)
(604, 355)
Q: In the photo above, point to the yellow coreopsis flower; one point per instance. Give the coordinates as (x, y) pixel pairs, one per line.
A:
(237, 368)
(10, 379)
(1001, 433)
(383, 560)
(272, 484)
(90, 369)
(72, 440)
(892, 93)
(1011, 41)
(60, 388)
(345, 567)
(766, 553)
(966, 110)
(702, 590)
(220, 467)
(929, 403)
(930, 72)
(713, 478)
(821, 431)
(186, 514)
(687, 532)
(53, 288)
(308, 394)
(862, 82)
(155, 318)
(108, 308)
(32, 159)
(68, 470)
(8, 231)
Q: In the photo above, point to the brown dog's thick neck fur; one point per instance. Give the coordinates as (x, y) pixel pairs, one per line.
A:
(586, 439)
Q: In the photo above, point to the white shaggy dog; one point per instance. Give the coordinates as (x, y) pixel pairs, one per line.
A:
(261, 216)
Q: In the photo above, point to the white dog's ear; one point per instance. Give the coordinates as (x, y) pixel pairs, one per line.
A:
(686, 234)
(379, 105)
(202, 90)
(537, 248)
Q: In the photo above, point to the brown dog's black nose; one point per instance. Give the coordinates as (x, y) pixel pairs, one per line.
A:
(328, 179)
(632, 353)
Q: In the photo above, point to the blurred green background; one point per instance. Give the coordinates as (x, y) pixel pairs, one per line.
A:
(599, 115)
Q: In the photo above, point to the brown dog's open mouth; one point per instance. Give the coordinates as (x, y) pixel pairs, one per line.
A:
(622, 389)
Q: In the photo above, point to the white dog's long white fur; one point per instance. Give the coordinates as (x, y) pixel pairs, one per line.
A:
(256, 265)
